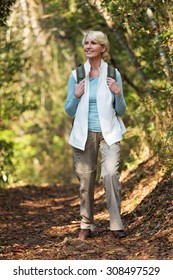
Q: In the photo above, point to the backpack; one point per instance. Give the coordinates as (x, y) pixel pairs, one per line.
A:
(80, 72)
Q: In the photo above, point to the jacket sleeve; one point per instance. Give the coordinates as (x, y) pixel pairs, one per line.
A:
(120, 104)
(71, 102)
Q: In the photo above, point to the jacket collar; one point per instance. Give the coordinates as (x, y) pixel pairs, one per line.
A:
(87, 66)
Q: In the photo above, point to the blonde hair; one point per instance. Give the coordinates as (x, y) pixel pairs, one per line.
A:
(100, 38)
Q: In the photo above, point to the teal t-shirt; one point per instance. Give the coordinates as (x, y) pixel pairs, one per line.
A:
(93, 117)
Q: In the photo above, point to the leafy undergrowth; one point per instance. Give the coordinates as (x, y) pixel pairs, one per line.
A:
(42, 222)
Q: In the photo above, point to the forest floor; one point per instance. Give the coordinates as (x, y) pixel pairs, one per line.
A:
(42, 222)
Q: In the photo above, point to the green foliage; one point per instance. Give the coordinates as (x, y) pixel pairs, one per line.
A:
(38, 51)
(13, 97)
(6, 156)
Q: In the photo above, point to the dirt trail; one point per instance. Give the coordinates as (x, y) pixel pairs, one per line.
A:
(42, 222)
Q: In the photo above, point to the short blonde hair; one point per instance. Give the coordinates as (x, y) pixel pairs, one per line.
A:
(100, 38)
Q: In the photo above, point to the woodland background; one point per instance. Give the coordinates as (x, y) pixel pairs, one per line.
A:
(41, 44)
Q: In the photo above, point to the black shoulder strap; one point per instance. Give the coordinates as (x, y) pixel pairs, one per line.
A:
(80, 73)
(111, 72)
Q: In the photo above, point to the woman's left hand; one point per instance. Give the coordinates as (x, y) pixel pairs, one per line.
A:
(113, 86)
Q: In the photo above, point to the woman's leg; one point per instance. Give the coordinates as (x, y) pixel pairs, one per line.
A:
(109, 173)
(86, 166)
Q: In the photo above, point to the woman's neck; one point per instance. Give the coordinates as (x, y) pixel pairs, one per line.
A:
(95, 64)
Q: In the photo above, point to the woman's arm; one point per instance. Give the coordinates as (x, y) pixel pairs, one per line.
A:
(71, 102)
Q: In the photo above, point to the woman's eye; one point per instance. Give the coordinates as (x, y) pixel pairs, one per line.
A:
(92, 43)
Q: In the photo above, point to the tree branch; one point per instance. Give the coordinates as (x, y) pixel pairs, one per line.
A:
(119, 35)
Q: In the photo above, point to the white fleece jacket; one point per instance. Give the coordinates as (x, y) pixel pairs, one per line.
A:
(112, 125)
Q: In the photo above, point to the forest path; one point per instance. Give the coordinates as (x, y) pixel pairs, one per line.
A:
(42, 222)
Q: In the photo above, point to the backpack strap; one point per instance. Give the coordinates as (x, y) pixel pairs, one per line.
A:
(111, 72)
(80, 73)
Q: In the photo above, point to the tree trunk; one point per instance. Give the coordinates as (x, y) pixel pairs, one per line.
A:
(163, 59)
(119, 35)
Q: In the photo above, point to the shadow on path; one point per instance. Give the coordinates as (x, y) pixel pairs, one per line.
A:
(41, 222)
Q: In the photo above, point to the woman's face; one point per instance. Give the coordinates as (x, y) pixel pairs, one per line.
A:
(92, 49)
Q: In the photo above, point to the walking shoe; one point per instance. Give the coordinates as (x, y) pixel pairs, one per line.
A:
(119, 233)
(84, 234)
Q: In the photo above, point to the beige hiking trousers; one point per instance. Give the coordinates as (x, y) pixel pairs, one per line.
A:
(86, 167)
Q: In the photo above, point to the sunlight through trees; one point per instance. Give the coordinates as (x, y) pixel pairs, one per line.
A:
(41, 44)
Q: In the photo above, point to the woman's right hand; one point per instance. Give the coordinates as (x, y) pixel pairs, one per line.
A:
(79, 89)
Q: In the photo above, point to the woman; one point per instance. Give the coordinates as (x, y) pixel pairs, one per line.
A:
(97, 103)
